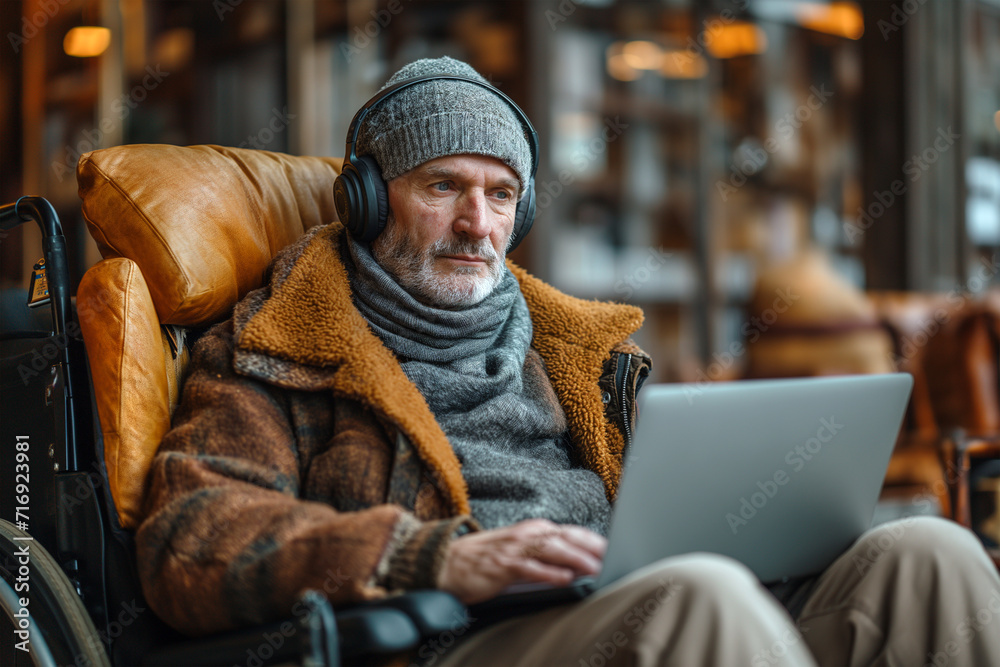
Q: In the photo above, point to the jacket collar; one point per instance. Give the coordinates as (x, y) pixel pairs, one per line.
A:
(303, 332)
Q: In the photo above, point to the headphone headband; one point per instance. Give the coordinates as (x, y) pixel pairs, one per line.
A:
(355, 127)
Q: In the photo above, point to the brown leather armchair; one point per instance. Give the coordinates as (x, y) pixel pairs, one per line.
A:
(962, 366)
(950, 343)
(185, 233)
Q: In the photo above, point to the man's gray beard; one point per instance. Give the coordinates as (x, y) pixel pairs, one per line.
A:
(414, 270)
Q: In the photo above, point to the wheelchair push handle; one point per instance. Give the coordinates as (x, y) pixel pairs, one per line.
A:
(31, 208)
(53, 246)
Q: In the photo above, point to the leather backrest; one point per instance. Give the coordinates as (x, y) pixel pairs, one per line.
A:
(132, 367)
(186, 232)
(201, 222)
(963, 369)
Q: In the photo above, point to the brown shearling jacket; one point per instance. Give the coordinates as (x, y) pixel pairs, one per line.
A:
(302, 457)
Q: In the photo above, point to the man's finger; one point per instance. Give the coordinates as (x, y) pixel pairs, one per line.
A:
(586, 539)
(556, 550)
(535, 570)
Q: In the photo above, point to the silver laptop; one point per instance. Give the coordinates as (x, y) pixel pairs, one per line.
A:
(781, 475)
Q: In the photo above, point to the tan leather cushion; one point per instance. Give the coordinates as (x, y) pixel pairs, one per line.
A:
(202, 222)
(131, 365)
(188, 232)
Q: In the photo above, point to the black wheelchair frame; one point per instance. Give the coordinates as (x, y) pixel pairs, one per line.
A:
(68, 580)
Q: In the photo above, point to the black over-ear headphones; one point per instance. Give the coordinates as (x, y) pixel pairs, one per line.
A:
(361, 196)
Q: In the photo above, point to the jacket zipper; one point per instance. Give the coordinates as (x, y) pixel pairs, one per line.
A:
(624, 403)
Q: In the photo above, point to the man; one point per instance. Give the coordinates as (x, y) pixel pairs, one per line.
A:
(414, 413)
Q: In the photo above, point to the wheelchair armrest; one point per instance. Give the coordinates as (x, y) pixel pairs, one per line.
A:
(319, 637)
(375, 632)
(432, 611)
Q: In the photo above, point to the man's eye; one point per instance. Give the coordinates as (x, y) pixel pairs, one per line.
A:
(443, 186)
(503, 194)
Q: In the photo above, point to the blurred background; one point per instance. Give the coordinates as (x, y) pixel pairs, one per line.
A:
(785, 187)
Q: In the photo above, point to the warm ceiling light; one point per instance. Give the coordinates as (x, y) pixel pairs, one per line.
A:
(736, 39)
(619, 68)
(683, 65)
(86, 41)
(174, 48)
(642, 55)
(617, 65)
(843, 19)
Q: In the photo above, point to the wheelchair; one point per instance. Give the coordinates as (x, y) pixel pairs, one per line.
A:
(85, 402)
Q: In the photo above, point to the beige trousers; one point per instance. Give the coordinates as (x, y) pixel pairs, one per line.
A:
(914, 592)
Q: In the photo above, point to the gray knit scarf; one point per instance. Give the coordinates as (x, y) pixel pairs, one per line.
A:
(489, 392)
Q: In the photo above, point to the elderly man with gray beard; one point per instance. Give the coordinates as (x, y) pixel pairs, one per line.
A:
(402, 408)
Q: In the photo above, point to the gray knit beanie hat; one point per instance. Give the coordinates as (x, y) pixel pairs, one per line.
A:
(438, 118)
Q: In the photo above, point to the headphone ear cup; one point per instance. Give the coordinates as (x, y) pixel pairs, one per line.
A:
(362, 198)
(524, 216)
(346, 193)
(380, 206)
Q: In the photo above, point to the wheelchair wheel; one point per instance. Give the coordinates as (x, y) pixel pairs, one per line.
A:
(59, 629)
